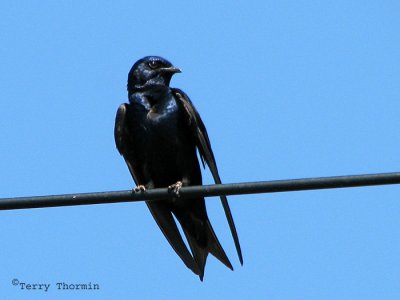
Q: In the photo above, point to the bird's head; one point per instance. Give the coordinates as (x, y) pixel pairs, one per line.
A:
(150, 71)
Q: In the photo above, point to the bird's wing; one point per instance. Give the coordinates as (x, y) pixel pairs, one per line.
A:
(206, 155)
(160, 211)
(123, 140)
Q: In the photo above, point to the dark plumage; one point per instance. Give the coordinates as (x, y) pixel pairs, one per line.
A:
(157, 133)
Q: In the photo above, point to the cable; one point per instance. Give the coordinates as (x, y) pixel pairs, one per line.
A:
(202, 191)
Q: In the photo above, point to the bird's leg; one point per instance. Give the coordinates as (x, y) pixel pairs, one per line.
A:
(175, 188)
(139, 188)
(143, 187)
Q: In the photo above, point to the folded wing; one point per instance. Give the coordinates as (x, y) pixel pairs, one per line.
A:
(204, 146)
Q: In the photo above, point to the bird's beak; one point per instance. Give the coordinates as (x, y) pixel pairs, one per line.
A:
(172, 70)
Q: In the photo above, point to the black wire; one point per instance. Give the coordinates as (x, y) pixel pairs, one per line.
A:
(202, 191)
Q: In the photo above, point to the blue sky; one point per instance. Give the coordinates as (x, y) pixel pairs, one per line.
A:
(287, 89)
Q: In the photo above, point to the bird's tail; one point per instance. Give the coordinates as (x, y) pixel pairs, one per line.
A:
(211, 245)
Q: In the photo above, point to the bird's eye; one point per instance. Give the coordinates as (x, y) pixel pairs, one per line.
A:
(154, 64)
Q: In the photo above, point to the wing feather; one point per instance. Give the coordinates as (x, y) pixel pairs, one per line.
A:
(207, 156)
(123, 140)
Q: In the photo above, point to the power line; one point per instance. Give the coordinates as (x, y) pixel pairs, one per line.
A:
(202, 191)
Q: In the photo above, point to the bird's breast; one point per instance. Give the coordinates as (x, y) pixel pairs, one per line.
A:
(162, 141)
(155, 110)
(156, 120)
(163, 112)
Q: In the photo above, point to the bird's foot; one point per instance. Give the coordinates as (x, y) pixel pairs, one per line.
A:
(139, 188)
(174, 188)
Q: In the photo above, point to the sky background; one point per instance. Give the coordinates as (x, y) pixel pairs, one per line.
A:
(287, 89)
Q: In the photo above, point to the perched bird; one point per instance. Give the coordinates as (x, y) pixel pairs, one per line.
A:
(157, 133)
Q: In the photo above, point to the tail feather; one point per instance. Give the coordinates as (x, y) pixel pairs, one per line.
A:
(165, 221)
(213, 246)
(199, 254)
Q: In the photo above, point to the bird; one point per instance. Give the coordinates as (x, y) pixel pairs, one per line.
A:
(157, 133)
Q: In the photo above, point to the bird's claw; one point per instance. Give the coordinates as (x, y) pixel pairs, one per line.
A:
(174, 188)
(139, 188)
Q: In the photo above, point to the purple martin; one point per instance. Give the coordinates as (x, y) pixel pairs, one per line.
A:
(158, 133)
